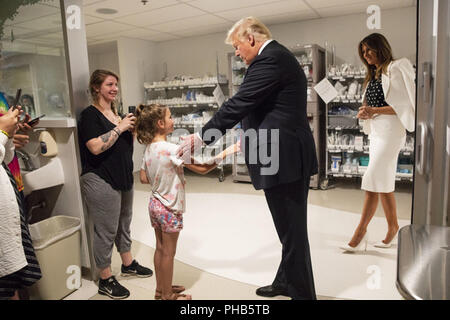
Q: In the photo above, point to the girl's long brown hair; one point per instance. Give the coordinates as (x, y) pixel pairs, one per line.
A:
(147, 117)
(377, 43)
(95, 82)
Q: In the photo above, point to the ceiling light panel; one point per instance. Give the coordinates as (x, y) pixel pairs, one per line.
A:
(105, 28)
(223, 28)
(333, 3)
(219, 5)
(204, 21)
(161, 15)
(89, 19)
(280, 7)
(361, 8)
(137, 33)
(125, 8)
(289, 17)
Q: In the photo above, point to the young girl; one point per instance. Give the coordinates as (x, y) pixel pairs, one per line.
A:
(164, 171)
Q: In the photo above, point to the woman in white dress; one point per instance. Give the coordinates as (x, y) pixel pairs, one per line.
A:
(388, 110)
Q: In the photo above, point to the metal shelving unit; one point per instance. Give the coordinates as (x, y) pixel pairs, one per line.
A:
(312, 60)
(347, 125)
(236, 72)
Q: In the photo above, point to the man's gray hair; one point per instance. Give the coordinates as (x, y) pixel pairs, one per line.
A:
(246, 26)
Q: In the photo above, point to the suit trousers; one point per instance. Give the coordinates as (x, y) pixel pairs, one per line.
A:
(288, 206)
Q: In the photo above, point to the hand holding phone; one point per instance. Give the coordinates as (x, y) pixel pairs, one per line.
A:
(35, 120)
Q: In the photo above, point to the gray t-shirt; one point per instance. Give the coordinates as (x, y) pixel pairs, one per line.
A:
(165, 174)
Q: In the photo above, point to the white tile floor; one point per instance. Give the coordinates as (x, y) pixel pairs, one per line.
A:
(229, 236)
(232, 235)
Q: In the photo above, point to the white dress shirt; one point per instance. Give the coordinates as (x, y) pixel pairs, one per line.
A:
(264, 45)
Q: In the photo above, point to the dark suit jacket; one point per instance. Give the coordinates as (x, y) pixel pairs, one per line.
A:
(272, 96)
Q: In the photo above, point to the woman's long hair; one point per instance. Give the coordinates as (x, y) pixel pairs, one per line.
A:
(95, 82)
(147, 117)
(377, 43)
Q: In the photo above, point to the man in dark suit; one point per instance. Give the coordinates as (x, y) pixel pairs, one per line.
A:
(272, 101)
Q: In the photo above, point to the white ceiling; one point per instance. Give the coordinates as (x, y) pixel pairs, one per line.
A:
(162, 20)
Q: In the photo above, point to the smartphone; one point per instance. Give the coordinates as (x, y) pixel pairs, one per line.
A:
(16, 100)
(33, 121)
(132, 109)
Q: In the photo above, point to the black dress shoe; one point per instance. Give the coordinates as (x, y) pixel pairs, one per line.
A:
(271, 291)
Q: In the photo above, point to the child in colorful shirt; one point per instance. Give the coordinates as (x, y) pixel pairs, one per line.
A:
(164, 172)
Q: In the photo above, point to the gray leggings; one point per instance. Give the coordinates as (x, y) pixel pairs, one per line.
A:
(110, 211)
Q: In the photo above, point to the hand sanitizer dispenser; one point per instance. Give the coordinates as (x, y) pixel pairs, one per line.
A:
(48, 144)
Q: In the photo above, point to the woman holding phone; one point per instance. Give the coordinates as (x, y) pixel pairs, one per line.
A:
(106, 149)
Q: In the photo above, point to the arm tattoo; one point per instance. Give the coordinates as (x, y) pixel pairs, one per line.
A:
(106, 137)
(108, 140)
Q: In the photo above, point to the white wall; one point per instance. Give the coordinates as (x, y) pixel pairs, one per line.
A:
(194, 56)
(345, 32)
(137, 64)
(198, 54)
(105, 60)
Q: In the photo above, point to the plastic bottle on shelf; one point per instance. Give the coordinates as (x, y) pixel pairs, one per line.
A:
(347, 167)
(335, 163)
(355, 163)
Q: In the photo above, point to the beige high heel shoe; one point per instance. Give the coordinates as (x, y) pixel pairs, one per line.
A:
(362, 244)
(381, 244)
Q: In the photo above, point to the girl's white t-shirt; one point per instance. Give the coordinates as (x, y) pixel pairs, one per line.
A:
(166, 175)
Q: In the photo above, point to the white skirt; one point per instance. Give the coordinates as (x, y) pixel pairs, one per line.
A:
(387, 138)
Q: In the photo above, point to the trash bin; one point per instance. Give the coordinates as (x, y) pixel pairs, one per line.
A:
(57, 244)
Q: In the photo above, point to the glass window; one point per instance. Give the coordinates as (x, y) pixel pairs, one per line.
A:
(32, 57)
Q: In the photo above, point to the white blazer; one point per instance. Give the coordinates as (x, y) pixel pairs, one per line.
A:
(399, 92)
(12, 255)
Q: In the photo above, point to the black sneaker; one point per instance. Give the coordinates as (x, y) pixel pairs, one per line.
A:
(112, 288)
(135, 269)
